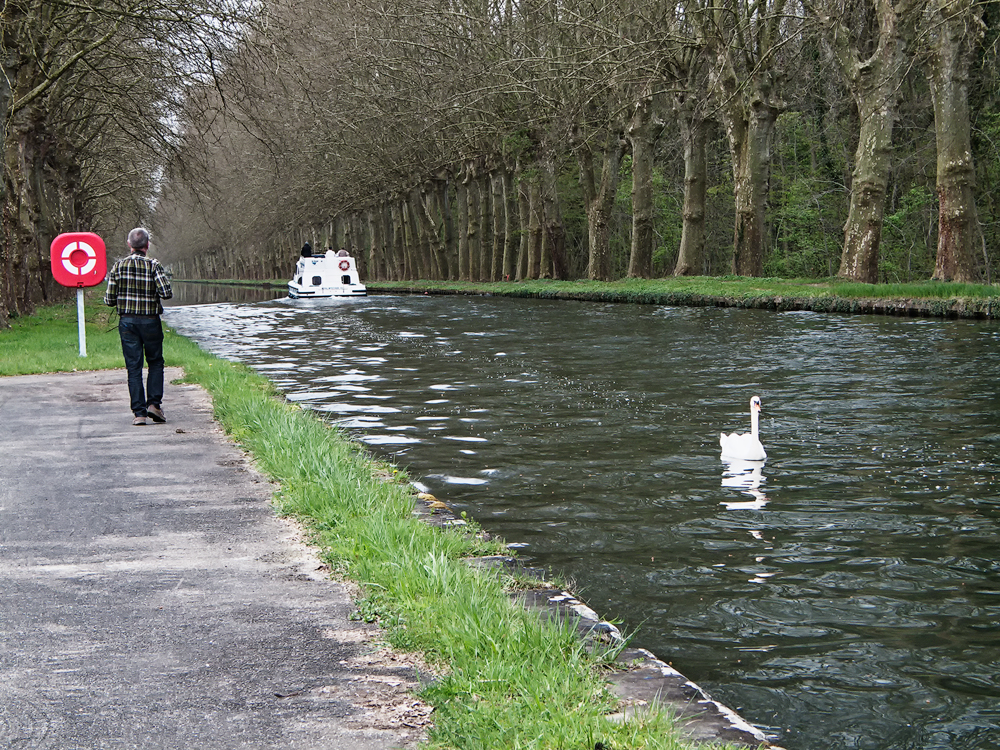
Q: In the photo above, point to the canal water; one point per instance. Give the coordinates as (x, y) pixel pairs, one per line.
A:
(846, 594)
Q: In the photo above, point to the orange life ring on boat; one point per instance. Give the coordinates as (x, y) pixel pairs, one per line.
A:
(344, 265)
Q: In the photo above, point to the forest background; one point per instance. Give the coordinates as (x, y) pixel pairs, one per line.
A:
(505, 139)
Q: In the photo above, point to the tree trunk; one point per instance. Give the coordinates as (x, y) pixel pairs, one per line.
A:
(534, 227)
(375, 241)
(641, 137)
(863, 230)
(434, 214)
(749, 107)
(448, 227)
(874, 83)
(955, 30)
(499, 205)
(694, 133)
(524, 217)
(416, 245)
(554, 240)
(751, 135)
(423, 231)
(462, 187)
(380, 234)
(599, 198)
(399, 267)
(485, 226)
(392, 268)
(473, 228)
(511, 226)
(358, 243)
(23, 214)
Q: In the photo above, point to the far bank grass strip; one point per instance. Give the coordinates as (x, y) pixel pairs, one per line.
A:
(919, 299)
(925, 299)
(510, 680)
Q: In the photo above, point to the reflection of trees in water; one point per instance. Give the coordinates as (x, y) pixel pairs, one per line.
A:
(187, 293)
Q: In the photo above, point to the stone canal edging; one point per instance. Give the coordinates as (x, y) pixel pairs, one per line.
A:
(643, 680)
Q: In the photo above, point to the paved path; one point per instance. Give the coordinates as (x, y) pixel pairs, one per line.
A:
(149, 598)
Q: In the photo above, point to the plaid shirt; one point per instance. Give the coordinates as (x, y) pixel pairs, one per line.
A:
(136, 284)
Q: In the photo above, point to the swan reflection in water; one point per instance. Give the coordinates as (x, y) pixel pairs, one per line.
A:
(746, 476)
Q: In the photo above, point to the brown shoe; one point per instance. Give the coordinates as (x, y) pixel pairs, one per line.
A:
(139, 420)
(155, 413)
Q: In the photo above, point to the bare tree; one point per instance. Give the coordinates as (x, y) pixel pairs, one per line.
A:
(641, 134)
(599, 179)
(753, 46)
(868, 46)
(89, 96)
(451, 123)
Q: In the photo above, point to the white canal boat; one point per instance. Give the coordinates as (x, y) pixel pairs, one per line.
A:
(328, 275)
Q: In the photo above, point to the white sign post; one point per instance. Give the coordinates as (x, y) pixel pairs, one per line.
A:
(80, 322)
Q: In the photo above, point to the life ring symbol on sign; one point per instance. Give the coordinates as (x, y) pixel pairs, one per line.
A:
(79, 258)
(344, 265)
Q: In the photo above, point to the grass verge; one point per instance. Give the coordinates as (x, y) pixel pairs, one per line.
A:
(49, 341)
(509, 679)
(924, 299)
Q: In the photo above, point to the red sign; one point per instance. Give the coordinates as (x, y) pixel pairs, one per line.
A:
(78, 259)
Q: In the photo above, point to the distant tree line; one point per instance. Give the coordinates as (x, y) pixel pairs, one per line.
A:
(494, 139)
(534, 139)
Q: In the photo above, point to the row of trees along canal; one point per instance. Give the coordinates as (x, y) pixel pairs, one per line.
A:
(490, 140)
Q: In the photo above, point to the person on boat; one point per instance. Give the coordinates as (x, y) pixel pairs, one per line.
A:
(342, 253)
(307, 250)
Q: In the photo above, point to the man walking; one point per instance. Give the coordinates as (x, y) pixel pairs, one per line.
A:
(136, 285)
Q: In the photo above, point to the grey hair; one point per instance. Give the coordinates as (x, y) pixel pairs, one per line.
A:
(138, 239)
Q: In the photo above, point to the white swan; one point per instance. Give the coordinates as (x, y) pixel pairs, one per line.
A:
(742, 446)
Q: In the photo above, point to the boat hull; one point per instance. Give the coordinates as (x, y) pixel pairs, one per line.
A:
(313, 292)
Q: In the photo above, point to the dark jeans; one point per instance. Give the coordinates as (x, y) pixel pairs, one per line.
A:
(142, 335)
